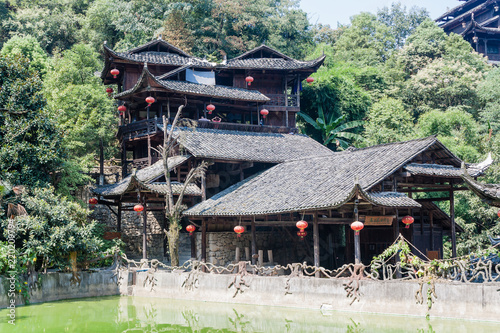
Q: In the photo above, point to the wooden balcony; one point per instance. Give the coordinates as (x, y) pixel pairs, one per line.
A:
(282, 102)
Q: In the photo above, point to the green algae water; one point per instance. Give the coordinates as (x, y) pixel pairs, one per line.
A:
(136, 314)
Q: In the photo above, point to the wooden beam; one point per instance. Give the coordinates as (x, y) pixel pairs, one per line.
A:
(316, 242)
(435, 189)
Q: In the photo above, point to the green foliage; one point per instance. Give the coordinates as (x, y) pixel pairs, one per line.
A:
(53, 228)
(333, 131)
(30, 144)
(367, 41)
(401, 22)
(388, 121)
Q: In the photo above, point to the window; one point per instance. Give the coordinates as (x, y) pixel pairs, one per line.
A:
(492, 49)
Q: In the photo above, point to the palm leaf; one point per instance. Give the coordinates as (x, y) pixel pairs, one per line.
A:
(349, 135)
(309, 120)
(349, 125)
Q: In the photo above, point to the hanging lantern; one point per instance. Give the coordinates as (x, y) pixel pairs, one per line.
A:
(475, 39)
(138, 208)
(264, 113)
(122, 109)
(249, 80)
(92, 202)
(239, 230)
(150, 100)
(407, 220)
(496, 8)
(190, 228)
(109, 90)
(357, 226)
(301, 225)
(210, 108)
(464, 25)
(302, 234)
(114, 72)
(310, 80)
(498, 213)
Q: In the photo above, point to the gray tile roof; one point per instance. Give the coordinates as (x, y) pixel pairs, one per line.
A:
(274, 63)
(391, 199)
(316, 183)
(161, 188)
(163, 58)
(434, 170)
(143, 176)
(489, 193)
(248, 146)
(196, 89)
(214, 91)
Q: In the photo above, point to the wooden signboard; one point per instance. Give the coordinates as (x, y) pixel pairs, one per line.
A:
(379, 220)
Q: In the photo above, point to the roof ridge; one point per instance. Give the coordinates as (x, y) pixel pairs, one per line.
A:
(388, 144)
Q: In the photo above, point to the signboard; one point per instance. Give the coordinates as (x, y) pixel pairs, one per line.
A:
(379, 220)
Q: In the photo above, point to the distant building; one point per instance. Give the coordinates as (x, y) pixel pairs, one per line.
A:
(478, 22)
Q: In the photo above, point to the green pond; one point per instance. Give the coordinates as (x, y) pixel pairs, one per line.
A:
(136, 314)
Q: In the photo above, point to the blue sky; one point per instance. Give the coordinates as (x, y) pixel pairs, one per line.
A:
(333, 11)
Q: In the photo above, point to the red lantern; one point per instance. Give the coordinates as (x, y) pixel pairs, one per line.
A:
(122, 109)
(301, 225)
(498, 213)
(92, 202)
(190, 228)
(138, 208)
(264, 113)
(109, 90)
(239, 230)
(302, 234)
(310, 80)
(114, 72)
(150, 100)
(249, 80)
(357, 226)
(210, 108)
(408, 220)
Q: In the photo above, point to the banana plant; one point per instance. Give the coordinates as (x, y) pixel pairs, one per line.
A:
(333, 130)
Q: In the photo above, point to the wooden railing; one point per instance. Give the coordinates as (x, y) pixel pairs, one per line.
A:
(283, 100)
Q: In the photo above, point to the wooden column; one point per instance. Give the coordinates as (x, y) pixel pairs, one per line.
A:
(431, 224)
(316, 242)
(357, 245)
(254, 239)
(453, 227)
(193, 245)
(119, 217)
(204, 240)
(149, 149)
(101, 162)
(144, 230)
(204, 187)
(124, 158)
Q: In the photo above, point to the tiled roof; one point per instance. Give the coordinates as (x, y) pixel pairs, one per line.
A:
(274, 63)
(391, 199)
(489, 193)
(434, 170)
(316, 183)
(163, 58)
(161, 188)
(248, 146)
(142, 176)
(214, 91)
(196, 89)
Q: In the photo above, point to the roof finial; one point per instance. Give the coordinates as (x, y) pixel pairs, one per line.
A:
(159, 37)
(356, 180)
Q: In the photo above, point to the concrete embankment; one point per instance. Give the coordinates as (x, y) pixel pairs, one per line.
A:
(454, 300)
(59, 286)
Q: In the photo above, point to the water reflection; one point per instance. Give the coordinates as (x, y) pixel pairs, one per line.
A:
(134, 314)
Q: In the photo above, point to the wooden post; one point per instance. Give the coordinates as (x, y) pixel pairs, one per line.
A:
(254, 244)
(193, 246)
(144, 231)
(101, 162)
(119, 217)
(124, 158)
(316, 242)
(247, 253)
(149, 149)
(261, 258)
(237, 255)
(357, 241)
(204, 240)
(431, 223)
(398, 272)
(453, 227)
(270, 257)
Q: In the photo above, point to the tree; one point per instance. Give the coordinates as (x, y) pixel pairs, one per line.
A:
(401, 22)
(174, 209)
(366, 42)
(29, 48)
(333, 131)
(30, 144)
(388, 121)
(175, 29)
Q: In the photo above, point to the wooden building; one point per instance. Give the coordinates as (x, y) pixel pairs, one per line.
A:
(478, 21)
(263, 175)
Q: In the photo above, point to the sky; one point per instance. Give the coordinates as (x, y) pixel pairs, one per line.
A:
(333, 11)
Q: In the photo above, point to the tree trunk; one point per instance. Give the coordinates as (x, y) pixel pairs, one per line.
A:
(173, 240)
